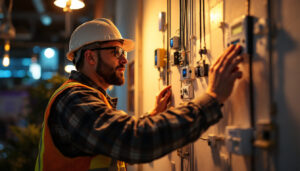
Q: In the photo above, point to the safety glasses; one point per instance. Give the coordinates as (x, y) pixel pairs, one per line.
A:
(118, 51)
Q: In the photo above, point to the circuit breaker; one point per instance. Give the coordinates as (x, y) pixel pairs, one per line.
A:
(202, 69)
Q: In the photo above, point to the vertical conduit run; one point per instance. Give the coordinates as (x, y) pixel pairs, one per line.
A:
(181, 25)
(270, 52)
(191, 35)
(203, 15)
(181, 44)
(251, 91)
(271, 30)
(168, 39)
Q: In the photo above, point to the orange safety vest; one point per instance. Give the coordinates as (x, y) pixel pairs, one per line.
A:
(51, 159)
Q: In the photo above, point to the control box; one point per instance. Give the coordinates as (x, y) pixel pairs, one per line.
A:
(187, 73)
(202, 69)
(239, 140)
(159, 57)
(241, 32)
(187, 92)
(176, 58)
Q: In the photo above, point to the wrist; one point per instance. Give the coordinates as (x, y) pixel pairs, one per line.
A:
(153, 112)
(215, 96)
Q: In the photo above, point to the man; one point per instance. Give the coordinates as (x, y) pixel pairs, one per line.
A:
(84, 131)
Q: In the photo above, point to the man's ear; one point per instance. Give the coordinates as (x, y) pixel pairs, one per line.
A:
(89, 57)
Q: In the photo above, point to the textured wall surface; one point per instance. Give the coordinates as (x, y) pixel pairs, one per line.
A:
(276, 83)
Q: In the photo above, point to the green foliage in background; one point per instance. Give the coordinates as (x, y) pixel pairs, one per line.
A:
(40, 95)
(20, 151)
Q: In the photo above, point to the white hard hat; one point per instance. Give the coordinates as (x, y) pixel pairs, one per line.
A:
(97, 30)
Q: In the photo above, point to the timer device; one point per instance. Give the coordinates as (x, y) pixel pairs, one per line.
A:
(241, 32)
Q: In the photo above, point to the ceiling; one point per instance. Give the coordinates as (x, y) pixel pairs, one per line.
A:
(26, 17)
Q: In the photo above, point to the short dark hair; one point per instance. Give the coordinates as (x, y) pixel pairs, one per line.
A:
(80, 62)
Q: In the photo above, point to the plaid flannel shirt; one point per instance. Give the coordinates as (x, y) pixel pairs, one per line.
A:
(81, 124)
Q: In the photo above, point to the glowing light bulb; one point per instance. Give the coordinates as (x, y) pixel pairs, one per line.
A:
(35, 70)
(7, 46)
(49, 52)
(69, 4)
(6, 60)
(69, 68)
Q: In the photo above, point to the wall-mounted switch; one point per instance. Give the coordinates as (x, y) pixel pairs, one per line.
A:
(239, 140)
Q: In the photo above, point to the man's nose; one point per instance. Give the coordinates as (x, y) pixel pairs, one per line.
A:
(123, 59)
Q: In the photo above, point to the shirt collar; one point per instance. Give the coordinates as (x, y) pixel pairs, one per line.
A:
(80, 77)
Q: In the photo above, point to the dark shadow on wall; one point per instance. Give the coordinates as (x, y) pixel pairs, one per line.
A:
(283, 44)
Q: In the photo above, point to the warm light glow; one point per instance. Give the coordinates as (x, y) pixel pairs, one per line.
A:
(69, 68)
(216, 13)
(7, 46)
(5, 61)
(69, 4)
(49, 52)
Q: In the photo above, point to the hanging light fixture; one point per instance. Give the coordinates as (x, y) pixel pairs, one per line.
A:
(6, 60)
(69, 5)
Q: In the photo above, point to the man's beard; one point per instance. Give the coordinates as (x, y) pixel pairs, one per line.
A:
(109, 73)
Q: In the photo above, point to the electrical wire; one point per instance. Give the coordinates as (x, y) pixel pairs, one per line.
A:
(191, 32)
(9, 9)
(185, 24)
(251, 83)
(168, 38)
(203, 6)
(200, 27)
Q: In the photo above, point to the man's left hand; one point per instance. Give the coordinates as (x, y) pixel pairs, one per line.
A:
(162, 101)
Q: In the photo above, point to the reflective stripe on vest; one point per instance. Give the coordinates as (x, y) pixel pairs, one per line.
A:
(51, 159)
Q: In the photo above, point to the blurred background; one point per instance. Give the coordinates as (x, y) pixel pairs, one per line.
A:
(34, 37)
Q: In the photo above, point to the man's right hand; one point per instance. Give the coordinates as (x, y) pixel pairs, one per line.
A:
(223, 73)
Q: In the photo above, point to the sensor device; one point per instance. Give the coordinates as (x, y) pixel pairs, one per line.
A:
(159, 57)
(175, 42)
(241, 32)
(162, 21)
(187, 73)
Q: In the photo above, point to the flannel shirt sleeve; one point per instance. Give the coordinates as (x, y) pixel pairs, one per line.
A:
(96, 129)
